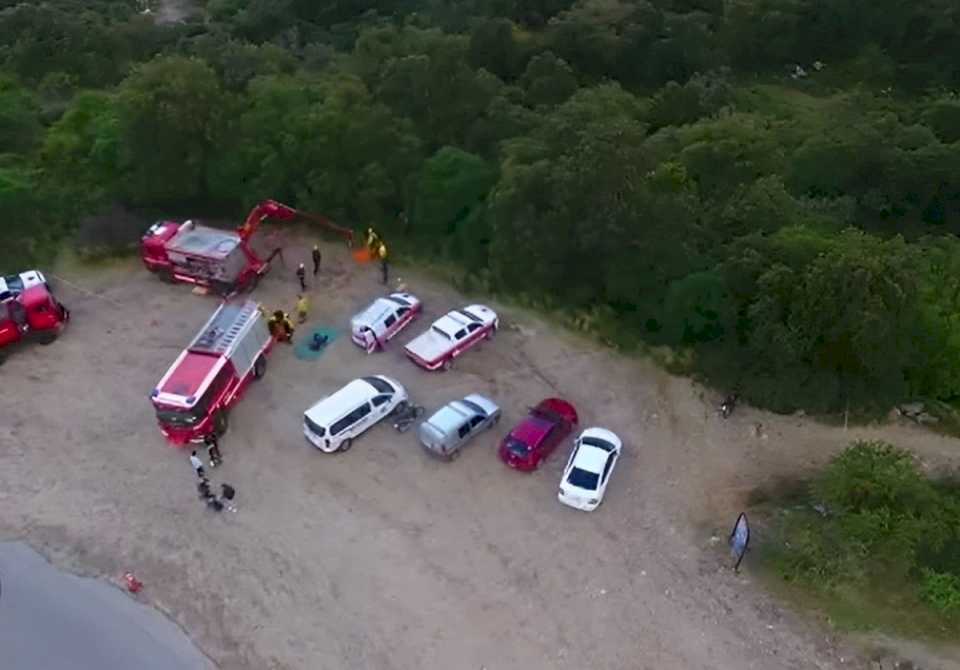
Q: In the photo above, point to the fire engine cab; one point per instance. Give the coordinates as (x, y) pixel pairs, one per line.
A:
(194, 397)
(28, 309)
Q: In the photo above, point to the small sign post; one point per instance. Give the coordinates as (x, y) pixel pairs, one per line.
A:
(739, 539)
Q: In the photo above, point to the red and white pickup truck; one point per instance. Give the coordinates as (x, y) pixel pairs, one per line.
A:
(451, 335)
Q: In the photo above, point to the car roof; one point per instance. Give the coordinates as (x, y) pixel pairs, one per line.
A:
(342, 400)
(591, 459)
(188, 377)
(449, 417)
(532, 430)
(372, 313)
(450, 323)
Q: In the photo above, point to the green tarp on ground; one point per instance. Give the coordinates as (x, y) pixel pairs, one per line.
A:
(301, 346)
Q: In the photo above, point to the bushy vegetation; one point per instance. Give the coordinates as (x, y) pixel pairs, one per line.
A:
(659, 170)
(877, 539)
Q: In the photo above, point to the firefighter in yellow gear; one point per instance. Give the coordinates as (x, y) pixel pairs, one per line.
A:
(302, 306)
(384, 268)
(373, 240)
(281, 326)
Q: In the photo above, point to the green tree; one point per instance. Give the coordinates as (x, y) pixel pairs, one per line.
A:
(450, 198)
(81, 154)
(20, 128)
(172, 111)
(548, 80)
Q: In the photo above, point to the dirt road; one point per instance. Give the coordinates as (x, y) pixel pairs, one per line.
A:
(382, 557)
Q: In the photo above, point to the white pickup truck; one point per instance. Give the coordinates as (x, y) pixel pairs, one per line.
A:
(451, 335)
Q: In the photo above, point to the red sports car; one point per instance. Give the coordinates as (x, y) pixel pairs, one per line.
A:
(537, 435)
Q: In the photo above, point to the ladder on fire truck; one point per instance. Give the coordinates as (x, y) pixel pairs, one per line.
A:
(224, 328)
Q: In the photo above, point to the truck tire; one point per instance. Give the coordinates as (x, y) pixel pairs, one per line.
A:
(46, 337)
(166, 276)
(345, 445)
(259, 367)
(251, 283)
(221, 421)
(447, 364)
(222, 289)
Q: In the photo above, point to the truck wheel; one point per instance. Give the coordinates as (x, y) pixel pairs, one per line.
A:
(259, 367)
(46, 337)
(346, 444)
(166, 276)
(447, 364)
(221, 422)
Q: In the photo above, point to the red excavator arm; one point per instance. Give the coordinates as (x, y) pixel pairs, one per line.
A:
(271, 209)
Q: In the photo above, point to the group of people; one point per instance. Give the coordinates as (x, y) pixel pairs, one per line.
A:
(227, 493)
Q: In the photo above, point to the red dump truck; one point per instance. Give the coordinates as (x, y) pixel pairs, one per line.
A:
(28, 310)
(195, 395)
(221, 260)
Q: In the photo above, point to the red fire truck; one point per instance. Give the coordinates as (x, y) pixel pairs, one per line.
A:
(194, 397)
(222, 260)
(28, 310)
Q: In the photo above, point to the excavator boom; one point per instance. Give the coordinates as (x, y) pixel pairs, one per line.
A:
(271, 209)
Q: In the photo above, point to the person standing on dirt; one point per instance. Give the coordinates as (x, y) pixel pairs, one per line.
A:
(302, 276)
(197, 465)
(373, 240)
(384, 268)
(213, 449)
(375, 344)
(302, 306)
(317, 257)
(227, 494)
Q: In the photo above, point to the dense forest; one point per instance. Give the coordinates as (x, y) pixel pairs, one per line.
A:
(772, 186)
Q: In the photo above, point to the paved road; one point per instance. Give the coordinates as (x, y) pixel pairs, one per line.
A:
(52, 620)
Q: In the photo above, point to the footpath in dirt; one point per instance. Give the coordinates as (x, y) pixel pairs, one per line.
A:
(383, 557)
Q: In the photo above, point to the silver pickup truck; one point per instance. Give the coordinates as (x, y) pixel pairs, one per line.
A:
(453, 425)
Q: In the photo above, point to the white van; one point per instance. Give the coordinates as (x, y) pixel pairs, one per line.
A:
(332, 423)
(383, 319)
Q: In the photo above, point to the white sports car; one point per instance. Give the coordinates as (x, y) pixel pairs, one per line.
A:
(594, 455)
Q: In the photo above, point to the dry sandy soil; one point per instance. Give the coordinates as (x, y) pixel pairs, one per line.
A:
(383, 557)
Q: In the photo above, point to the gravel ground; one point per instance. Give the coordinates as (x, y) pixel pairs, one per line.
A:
(383, 557)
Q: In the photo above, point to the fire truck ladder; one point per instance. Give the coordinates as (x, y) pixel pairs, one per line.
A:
(224, 328)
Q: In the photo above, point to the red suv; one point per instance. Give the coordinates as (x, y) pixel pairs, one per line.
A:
(536, 436)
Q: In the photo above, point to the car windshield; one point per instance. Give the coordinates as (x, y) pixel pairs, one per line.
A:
(379, 384)
(470, 315)
(547, 415)
(175, 416)
(598, 443)
(437, 330)
(474, 406)
(314, 428)
(583, 479)
(517, 447)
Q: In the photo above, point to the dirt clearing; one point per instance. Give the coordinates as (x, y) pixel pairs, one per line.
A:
(383, 557)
